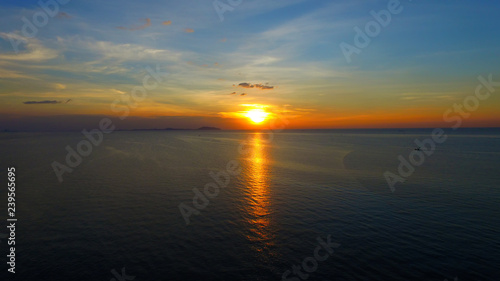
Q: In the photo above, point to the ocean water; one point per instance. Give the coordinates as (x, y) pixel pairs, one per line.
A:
(119, 209)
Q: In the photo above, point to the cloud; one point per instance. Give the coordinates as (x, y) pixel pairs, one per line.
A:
(63, 15)
(42, 102)
(124, 52)
(168, 22)
(59, 86)
(243, 94)
(35, 51)
(147, 23)
(264, 87)
(233, 93)
(259, 86)
(189, 30)
(223, 40)
(13, 74)
(118, 91)
(245, 85)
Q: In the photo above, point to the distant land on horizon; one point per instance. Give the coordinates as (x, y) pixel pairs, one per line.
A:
(206, 128)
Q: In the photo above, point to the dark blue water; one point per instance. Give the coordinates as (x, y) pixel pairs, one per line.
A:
(120, 207)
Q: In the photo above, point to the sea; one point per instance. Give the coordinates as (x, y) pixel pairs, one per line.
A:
(394, 204)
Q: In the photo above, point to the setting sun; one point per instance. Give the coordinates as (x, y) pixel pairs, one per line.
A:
(256, 115)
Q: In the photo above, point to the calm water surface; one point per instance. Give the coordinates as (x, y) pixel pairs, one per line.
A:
(120, 207)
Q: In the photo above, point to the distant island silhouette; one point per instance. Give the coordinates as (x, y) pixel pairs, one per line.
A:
(208, 128)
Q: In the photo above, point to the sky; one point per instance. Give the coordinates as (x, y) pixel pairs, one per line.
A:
(185, 64)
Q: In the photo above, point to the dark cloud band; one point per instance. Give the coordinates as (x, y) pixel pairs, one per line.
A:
(42, 102)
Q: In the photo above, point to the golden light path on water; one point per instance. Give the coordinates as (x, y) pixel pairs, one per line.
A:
(258, 209)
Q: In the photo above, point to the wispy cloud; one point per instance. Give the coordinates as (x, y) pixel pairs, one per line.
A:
(147, 23)
(63, 15)
(168, 22)
(189, 30)
(122, 52)
(59, 86)
(35, 51)
(12, 74)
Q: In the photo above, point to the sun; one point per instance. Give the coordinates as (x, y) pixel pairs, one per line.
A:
(256, 115)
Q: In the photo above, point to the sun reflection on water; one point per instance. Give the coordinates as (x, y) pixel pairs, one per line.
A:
(258, 210)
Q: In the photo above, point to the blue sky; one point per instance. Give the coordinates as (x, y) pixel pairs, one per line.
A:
(427, 58)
